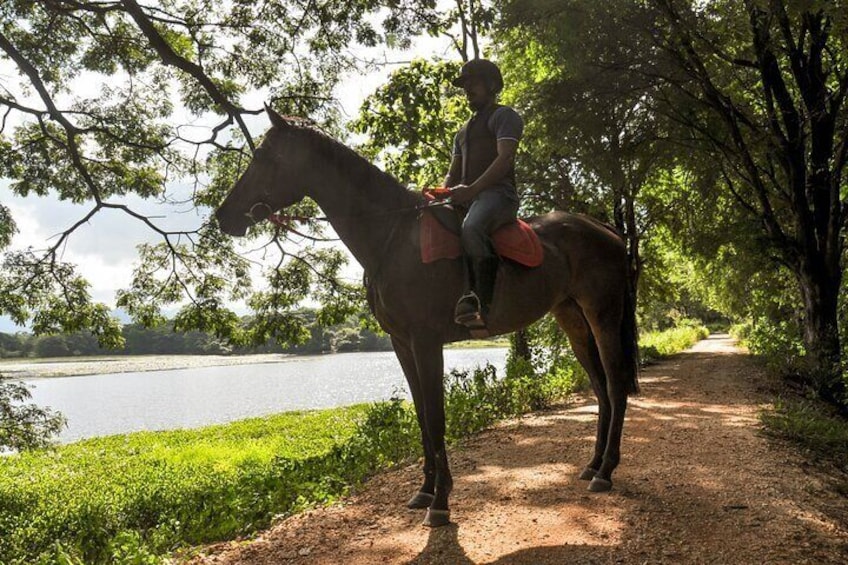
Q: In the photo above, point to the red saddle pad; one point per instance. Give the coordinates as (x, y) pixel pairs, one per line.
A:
(516, 241)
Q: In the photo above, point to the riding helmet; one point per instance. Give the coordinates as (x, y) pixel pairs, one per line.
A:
(481, 68)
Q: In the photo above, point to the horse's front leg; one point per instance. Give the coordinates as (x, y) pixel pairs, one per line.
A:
(429, 362)
(425, 495)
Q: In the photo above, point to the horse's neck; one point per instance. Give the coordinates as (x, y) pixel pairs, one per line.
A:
(366, 225)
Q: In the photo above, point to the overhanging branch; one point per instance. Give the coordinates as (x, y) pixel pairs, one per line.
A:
(171, 58)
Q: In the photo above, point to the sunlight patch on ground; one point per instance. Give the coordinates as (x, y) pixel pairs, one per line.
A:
(658, 379)
(654, 405)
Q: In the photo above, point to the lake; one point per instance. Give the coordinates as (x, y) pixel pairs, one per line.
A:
(108, 404)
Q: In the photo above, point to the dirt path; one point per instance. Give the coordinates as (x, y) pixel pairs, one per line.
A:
(698, 483)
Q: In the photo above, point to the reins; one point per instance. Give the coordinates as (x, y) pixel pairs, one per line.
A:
(284, 220)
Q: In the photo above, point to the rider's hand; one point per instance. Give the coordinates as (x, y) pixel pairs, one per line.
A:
(462, 193)
(439, 193)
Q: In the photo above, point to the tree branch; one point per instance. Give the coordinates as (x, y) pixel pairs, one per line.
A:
(170, 57)
(70, 130)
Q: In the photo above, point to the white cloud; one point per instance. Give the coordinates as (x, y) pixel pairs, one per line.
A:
(104, 248)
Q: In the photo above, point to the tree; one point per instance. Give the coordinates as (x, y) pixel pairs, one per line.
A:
(411, 121)
(169, 109)
(762, 86)
(594, 141)
(24, 426)
(465, 23)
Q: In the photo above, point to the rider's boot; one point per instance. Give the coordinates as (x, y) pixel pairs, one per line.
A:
(473, 306)
(467, 311)
(485, 273)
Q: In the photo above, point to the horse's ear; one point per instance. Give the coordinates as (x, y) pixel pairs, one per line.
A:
(276, 119)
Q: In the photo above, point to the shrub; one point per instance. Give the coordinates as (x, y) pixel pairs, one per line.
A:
(25, 426)
(809, 424)
(656, 345)
(778, 343)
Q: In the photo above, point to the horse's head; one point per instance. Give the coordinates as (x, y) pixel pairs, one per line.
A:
(270, 182)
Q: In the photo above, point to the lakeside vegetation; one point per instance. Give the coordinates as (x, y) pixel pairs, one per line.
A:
(163, 340)
(137, 497)
(351, 335)
(658, 344)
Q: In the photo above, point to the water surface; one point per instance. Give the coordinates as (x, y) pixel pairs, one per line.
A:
(118, 403)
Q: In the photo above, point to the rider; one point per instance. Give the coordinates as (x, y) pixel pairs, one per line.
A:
(482, 179)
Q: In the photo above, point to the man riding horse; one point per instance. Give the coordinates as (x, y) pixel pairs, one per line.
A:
(482, 181)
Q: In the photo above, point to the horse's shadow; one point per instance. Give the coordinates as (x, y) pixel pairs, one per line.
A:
(443, 548)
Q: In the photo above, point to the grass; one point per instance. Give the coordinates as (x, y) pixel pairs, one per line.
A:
(821, 435)
(156, 489)
(810, 425)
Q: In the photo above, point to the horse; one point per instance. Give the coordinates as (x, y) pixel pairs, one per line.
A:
(582, 281)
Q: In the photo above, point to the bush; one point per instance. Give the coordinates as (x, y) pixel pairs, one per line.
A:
(779, 346)
(25, 426)
(656, 345)
(778, 343)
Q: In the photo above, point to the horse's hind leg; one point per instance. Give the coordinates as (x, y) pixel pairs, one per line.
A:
(606, 324)
(425, 495)
(570, 318)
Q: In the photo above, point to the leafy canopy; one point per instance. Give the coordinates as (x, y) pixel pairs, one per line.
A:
(155, 100)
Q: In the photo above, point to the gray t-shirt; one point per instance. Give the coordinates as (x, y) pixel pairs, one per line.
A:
(504, 123)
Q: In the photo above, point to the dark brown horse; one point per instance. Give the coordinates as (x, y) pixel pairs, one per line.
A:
(582, 282)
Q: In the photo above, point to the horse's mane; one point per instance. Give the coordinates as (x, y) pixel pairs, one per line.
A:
(375, 184)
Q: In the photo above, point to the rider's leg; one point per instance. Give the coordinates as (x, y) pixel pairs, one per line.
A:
(491, 209)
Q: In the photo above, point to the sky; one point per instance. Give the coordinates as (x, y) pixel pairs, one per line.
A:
(104, 249)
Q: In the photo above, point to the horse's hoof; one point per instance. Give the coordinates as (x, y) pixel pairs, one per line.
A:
(588, 474)
(420, 500)
(436, 518)
(600, 485)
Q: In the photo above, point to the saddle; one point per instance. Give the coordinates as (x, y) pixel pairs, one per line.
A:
(439, 234)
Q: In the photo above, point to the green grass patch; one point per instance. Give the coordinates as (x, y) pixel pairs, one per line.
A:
(812, 426)
(127, 498)
(653, 346)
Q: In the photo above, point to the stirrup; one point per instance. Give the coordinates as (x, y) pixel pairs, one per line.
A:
(468, 312)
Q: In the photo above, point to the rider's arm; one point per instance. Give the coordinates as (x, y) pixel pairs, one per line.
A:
(454, 176)
(496, 171)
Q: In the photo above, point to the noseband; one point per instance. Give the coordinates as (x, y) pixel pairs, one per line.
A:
(252, 216)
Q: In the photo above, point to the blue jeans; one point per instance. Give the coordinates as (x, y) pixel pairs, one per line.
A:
(490, 210)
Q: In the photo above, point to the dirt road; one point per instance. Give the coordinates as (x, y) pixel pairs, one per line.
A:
(698, 483)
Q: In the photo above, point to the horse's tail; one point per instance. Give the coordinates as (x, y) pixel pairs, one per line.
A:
(630, 341)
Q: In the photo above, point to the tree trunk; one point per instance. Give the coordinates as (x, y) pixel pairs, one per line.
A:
(521, 345)
(820, 293)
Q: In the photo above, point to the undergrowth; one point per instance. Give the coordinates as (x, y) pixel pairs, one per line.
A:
(811, 425)
(653, 346)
